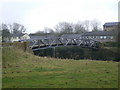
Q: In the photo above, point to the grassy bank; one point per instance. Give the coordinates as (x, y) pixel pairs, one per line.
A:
(24, 70)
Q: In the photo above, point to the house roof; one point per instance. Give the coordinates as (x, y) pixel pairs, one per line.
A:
(36, 37)
(71, 36)
(17, 35)
(111, 24)
(95, 33)
(100, 33)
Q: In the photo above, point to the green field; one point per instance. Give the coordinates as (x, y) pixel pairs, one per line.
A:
(24, 70)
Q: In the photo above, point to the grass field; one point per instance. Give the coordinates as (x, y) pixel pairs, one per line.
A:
(24, 70)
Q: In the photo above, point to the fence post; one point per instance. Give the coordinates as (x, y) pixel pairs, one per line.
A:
(25, 46)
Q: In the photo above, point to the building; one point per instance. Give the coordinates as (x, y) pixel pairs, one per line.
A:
(111, 26)
(19, 37)
(71, 36)
(39, 37)
(102, 36)
(16, 37)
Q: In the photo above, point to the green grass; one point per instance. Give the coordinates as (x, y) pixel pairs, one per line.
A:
(24, 70)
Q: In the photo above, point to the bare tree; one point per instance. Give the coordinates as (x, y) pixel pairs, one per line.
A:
(4, 27)
(95, 25)
(79, 28)
(39, 33)
(4, 32)
(9, 29)
(51, 31)
(48, 30)
(86, 25)
(64, 28)
(18, 28)
(14, 28)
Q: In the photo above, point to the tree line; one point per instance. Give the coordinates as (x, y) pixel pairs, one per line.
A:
(59, 29)
(71, 28)
(11, 29)
(14, 28)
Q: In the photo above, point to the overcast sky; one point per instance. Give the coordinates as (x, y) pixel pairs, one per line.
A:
(37, 14)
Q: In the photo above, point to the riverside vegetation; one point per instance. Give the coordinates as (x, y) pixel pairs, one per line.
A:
(25, 70)
(107, 51)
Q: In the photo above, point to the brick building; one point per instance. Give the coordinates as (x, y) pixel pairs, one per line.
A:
(111, 26)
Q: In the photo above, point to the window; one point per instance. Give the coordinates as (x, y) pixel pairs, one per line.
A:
(101, 37)
(97, 37)
(90, 37)
(105, 37)
(111, 37)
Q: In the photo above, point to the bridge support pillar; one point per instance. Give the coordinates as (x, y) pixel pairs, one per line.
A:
(54, 52)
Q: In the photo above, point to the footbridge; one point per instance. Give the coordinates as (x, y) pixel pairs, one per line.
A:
(63, 42)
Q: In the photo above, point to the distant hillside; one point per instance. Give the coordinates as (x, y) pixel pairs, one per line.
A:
(25, 70)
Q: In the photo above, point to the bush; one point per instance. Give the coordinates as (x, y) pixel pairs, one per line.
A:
(79, 53)
(111, 44)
